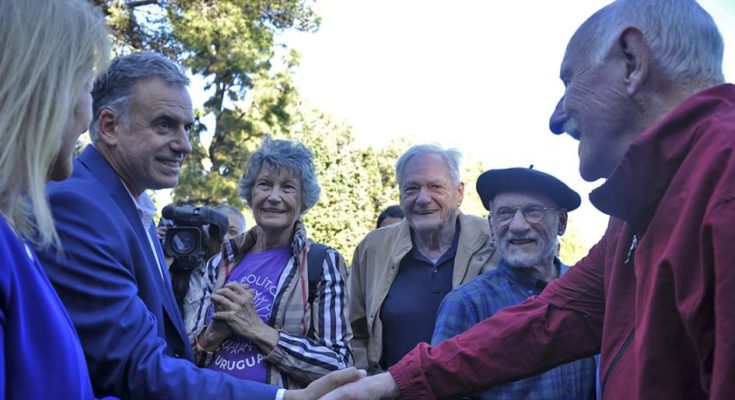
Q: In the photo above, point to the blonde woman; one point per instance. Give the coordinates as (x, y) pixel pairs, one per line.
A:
(49, 52)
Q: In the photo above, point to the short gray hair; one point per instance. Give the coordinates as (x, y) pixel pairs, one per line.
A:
(452, 157)
(228, 210)
(114, 88)
(276, 153)
(682, 36)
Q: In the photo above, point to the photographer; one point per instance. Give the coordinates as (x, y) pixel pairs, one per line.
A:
(188, 273)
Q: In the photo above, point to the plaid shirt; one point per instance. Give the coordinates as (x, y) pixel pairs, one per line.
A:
(487, 294)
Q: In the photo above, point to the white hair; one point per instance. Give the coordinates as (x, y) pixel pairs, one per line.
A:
(452, 157)
(683, 37)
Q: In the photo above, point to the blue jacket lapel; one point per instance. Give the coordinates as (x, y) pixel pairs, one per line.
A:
(102, 170)
(170, 301)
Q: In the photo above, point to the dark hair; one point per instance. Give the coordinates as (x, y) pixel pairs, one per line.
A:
(390, 212)
(114, 88)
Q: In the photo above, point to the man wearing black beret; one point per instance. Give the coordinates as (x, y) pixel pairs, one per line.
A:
(528, 212)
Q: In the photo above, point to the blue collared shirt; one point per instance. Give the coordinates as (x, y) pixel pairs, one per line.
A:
(487, 294)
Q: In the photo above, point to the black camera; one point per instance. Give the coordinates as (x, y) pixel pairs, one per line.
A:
(187, 237)
(190, 239)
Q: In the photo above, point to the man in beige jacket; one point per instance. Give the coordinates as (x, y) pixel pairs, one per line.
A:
(401, 273)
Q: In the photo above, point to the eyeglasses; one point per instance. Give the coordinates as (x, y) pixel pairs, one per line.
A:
(532, 214)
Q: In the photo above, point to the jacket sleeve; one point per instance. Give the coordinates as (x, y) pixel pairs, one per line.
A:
(198, 302)
(198, 298)
(307, 359)
(564, 323)
(722, 231)
(358, 310)
(119, 334)
(455, 316)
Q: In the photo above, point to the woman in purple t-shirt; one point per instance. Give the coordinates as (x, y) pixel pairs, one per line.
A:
(262, 325)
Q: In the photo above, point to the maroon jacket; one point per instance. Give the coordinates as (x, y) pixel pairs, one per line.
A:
(662, 314)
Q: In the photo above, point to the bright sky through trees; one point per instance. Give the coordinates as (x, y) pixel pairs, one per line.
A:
(480, 75)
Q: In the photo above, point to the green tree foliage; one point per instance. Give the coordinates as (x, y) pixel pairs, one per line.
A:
(357, 182)
(343, 212)
(231, 44)
(210, 173)
(573, 246)
(471, 170)
(384, 160)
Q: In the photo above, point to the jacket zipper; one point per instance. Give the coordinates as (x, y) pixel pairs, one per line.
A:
(616, 360)
(631, 250)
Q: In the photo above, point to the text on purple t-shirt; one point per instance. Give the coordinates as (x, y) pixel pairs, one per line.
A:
(239, 356)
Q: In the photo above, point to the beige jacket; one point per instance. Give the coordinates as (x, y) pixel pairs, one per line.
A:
(375, 265)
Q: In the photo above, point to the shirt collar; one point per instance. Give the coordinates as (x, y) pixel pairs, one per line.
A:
(526, 280)
(449, 254)
(144, 205)
(635, 188)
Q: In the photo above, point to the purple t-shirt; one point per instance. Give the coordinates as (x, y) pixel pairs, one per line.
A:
(239, 356)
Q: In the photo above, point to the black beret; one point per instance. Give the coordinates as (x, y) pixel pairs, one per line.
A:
(495, 181)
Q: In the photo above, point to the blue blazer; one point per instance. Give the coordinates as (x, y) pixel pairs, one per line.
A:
(125, 313)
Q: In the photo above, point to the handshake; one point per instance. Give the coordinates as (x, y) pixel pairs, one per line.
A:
(348, 384)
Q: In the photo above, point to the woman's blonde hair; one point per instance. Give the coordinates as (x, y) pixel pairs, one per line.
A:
(49, 51)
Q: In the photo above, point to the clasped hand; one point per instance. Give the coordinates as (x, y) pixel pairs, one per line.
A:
(233, 304)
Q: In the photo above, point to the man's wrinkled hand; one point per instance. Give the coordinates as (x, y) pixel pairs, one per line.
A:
(326, 384)
(381, 386)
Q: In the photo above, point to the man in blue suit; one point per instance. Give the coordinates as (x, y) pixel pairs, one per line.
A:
(112, 276)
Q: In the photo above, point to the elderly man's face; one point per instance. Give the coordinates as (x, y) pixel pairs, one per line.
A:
(429, 198)
(526, 244)
(154, 139)
(595, 110)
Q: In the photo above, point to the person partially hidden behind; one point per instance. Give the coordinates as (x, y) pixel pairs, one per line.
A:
(528, 213)
(391, 215)
(196, 299)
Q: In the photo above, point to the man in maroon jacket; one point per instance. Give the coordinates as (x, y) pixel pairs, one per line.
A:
(644, 98)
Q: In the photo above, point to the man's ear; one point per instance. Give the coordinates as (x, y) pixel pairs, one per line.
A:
(108, 127)
(637, 59)
(562, 222)
(493, 236)
(491, 223)
(460, 193)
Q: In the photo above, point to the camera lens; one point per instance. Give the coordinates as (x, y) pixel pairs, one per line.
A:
(183, 242)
